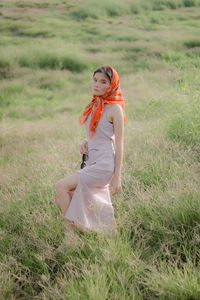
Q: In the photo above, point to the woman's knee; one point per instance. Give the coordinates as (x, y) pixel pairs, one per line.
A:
(67, 184)
(59, 186)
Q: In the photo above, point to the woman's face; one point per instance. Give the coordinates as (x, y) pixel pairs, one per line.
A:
(100, 83)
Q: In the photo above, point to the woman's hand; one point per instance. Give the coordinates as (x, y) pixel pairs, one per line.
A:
(84, 147)
(115, 185)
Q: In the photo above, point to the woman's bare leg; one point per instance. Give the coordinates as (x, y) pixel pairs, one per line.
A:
(64, 189)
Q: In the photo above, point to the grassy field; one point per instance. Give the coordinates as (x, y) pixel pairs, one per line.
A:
(48, 52)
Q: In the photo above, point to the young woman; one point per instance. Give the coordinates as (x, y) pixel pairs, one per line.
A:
(84, 197)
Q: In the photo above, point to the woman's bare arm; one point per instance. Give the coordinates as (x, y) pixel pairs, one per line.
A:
(118, 123)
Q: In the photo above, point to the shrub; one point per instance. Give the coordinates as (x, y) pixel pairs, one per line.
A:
(45, 60)
(189, 3)
(83, 13)
(96, 9)
(128, 38)
(192, 43)
(72, 64)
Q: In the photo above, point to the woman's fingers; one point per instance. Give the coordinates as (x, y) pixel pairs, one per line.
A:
(114, 190)
(85, 152)
(84, 148)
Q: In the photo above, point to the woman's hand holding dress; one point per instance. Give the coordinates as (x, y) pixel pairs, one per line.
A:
(84, 147)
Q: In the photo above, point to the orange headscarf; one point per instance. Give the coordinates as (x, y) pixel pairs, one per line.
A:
(112, 95)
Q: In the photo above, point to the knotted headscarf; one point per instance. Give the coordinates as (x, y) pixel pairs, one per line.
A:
(112, 95)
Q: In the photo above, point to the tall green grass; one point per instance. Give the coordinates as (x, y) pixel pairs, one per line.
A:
(185, 127)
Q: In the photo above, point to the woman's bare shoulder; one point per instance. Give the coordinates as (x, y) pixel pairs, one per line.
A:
(114, 110)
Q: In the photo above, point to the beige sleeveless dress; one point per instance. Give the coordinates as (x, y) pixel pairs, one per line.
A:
(91, 204)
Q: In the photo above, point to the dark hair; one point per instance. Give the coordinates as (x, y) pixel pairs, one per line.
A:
(106, 70)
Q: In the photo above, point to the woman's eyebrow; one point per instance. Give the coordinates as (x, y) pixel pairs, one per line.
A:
(104, 80)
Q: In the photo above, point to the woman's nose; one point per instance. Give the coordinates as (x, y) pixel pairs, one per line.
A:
(96, 84)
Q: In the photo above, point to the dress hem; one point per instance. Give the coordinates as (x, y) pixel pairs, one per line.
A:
(89, 229)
